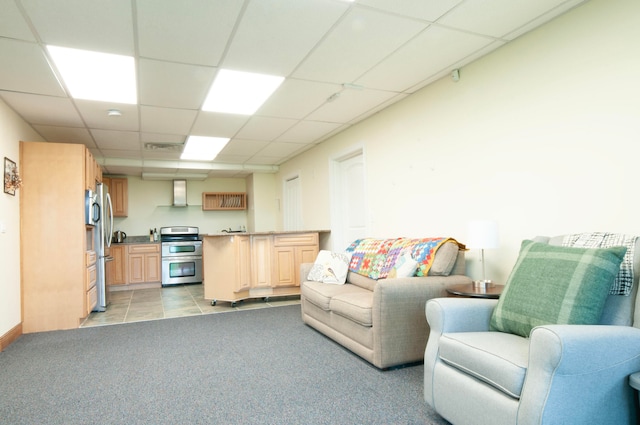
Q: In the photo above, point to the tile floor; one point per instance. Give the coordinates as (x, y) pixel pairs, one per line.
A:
(174, 301)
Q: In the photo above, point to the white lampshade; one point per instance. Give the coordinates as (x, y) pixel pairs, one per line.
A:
(482, 234)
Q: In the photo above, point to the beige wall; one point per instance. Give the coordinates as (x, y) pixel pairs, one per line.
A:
(12, 130)
(542, 135)
(150, 206)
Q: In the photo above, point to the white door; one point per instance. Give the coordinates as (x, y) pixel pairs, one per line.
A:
(292, 204)
(349, 206)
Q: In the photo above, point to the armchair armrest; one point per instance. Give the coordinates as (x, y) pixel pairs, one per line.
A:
(305, 268)
(459, 314)
(582, 366)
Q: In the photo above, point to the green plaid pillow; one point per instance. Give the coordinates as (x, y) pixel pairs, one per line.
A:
(556, 285)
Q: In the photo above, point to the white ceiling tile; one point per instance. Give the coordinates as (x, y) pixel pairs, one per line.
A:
(173, 84)
(65, 135)
(279, 149)
(427, 54)
(349, 105)
(496, 18)
(84, 24)
(297, 98)
(166, 120)
(360, 41)
(280, 52)
(162, 138)
(25, 69)
(429, 10)
(237, 147)
(117, 140)
(308, 131)
(95, 114)
(195, 32)
(12, 24)
(544, 18)
(167, 156)
(263, 128)
(218, 125)
(48, 110)
(265, 159)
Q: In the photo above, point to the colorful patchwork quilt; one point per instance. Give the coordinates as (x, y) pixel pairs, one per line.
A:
(375, 258)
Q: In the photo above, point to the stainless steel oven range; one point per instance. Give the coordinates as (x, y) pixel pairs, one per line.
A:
(181, 255)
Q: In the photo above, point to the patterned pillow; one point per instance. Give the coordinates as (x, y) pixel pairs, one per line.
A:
(330, 267)
(405, 266)
(555, 285)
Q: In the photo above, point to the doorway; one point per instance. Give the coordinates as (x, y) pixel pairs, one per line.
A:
(349, 217)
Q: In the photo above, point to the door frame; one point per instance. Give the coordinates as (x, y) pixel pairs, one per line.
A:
(336, 184)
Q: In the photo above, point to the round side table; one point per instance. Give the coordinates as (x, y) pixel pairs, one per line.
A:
(469, 290)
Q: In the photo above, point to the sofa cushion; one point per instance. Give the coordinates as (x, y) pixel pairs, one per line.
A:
(361, 281)
(330, 267)
(354, 306)
(444, 260)
(497, 358)
(320, 294)
(555, 285)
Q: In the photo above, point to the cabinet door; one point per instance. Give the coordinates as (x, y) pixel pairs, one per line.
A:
(243, 246)
(261, 261)
(152, 268)
(136, 268)
(119, 196)
(116, 269)
(284, 266)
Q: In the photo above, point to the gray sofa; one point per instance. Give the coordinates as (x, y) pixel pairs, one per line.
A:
(383, 320)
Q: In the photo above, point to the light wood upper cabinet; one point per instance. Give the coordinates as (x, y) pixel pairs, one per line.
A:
(92, 171)
(119, 192)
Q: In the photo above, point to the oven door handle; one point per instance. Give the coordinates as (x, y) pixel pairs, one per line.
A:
(183, 258)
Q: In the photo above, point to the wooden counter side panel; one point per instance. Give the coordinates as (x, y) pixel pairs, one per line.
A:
(219, 258)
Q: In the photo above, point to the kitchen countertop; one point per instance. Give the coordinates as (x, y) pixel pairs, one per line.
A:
(284, 232)
(134, 240)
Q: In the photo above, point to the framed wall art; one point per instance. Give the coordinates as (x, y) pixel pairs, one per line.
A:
(11, 178)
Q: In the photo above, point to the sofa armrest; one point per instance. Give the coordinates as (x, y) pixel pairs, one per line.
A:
(305, 268)
(583, 366)
(400, 328)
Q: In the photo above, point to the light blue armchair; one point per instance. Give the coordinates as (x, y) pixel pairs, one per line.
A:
(561, 374)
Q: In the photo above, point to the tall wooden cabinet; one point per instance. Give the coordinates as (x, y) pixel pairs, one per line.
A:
(119, 192)
(58, 261)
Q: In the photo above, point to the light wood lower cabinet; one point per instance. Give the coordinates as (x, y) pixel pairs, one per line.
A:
(238, 267)
(117, 268)
(134, 263)
(144, 263)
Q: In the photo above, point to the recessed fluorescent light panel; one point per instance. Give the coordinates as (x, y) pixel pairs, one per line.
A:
(201, 148)
(237, 92)
(96, 76)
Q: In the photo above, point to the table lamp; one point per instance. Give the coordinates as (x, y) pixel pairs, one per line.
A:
(482, 234)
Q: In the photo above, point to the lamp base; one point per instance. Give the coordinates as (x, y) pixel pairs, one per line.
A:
(483, 284)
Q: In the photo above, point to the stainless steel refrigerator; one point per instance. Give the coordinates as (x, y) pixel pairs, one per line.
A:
(104, 230)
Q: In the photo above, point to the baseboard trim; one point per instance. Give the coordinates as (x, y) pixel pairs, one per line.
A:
(8, 338)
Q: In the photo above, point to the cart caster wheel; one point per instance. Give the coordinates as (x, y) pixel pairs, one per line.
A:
(233, 304)
(214, 302)
(265, 299)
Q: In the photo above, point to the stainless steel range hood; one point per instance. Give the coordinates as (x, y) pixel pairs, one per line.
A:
(179, 193)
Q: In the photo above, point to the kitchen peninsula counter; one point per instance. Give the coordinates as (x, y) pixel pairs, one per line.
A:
(243, 265)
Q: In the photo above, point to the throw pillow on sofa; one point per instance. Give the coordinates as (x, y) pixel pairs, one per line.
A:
(330, 267)
(556, 285)
(405, 266)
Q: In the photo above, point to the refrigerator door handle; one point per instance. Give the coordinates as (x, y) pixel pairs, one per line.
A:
(107, 237)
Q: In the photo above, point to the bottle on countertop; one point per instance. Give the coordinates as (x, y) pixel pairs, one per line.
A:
(155, 234)
(150, 235)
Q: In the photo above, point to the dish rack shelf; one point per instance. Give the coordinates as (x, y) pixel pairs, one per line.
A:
(216, 201)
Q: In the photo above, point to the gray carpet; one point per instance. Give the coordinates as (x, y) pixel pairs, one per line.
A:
(249, 367)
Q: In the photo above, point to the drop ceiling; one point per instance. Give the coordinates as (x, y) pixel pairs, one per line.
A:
(343, 61)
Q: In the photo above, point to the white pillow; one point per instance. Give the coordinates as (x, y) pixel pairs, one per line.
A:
(405, 266)
(330, 267)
